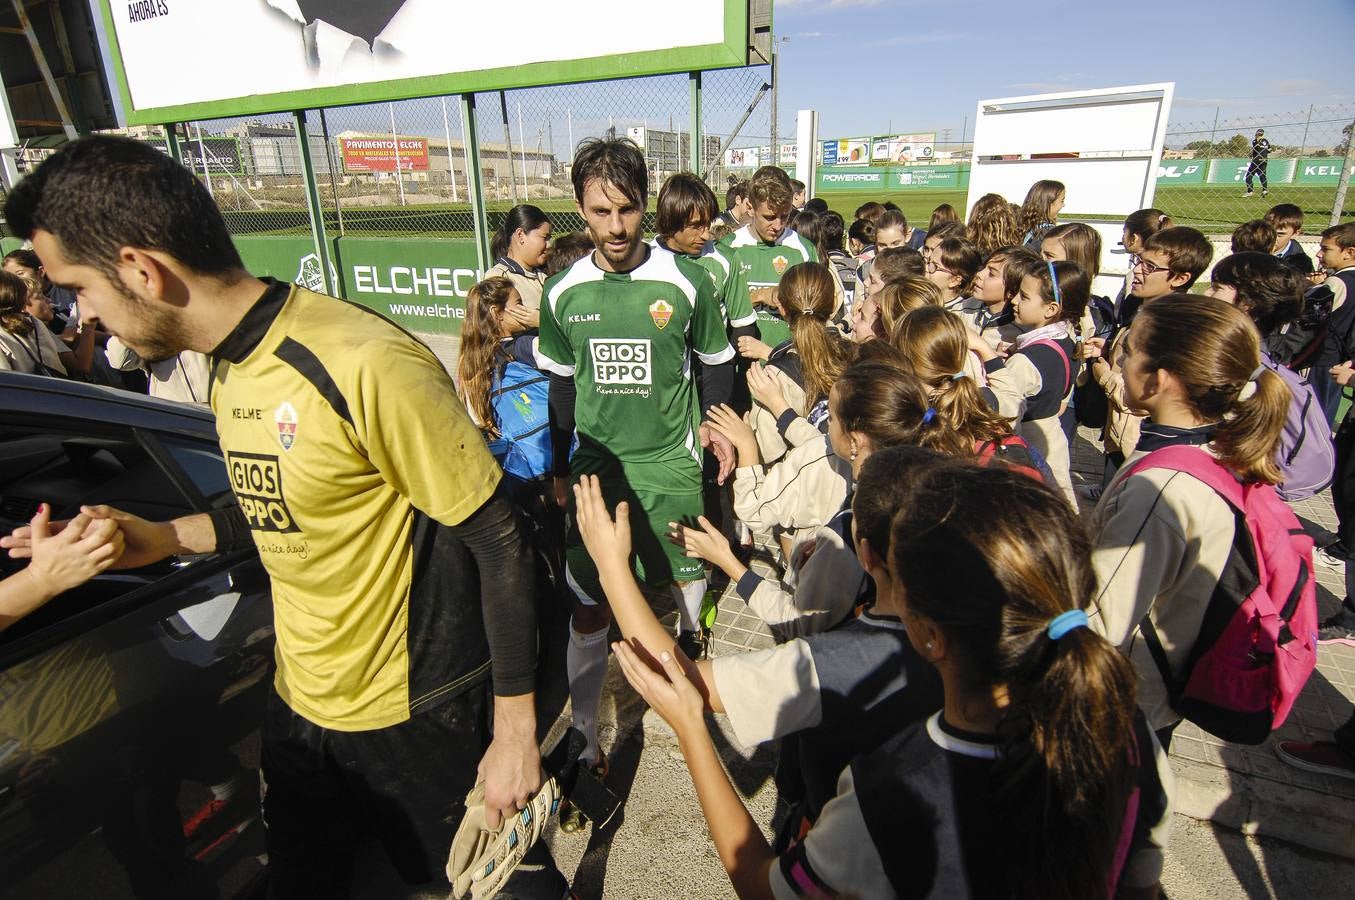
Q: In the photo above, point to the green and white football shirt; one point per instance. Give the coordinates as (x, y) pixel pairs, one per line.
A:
(716, 264)
(755, 264)
(626, 338)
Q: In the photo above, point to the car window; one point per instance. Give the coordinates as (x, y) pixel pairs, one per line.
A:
(202, 462)
(69, 464)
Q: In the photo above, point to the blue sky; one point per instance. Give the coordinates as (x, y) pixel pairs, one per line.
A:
(923, 65)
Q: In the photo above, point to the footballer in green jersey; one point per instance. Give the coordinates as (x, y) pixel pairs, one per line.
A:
(759, 257)
(620, 330)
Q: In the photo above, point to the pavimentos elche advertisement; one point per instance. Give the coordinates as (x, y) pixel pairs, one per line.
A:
(176, 60)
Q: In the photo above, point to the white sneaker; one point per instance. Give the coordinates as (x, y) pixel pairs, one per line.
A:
(1248, 194)
(1328, 561)
(1091, 492)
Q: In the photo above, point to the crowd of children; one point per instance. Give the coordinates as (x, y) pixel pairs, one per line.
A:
(888, 413)
(884, 416)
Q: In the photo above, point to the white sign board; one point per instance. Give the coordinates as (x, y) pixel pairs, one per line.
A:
(1104, 145)
(237, 56)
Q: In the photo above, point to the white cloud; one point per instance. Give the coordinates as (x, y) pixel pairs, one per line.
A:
(927, 37)
(1292, 87)
(824, 4)
(812, 35)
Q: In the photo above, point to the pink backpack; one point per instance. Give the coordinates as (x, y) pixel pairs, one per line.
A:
(1258, 640)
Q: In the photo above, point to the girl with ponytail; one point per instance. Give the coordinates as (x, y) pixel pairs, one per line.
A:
(1036, 779)
(1052, 299)
(810, 361)
(1194, 367)
(521, 247)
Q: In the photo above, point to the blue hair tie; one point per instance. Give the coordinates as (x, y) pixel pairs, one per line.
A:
(1066, 622)
(1054, 280)
(958, 375)
(929, 415)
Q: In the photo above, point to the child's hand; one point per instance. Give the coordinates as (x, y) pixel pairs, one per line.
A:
(522, 318)
(724, 420)
(669, 693)
(705, 542)
(1318, 277)
(606, 539)
(1094, 348)
(1343, 373)
(763, 296)
(75, 554)
(764, 385)
(752, 348)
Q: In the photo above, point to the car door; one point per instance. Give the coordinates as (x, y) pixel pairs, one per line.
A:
(130, 707)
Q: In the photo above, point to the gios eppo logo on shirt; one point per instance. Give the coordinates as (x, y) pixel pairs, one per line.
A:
(621, 361)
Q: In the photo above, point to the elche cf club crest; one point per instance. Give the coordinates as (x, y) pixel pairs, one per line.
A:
(285, 416)
(779, 264)
(661, 311)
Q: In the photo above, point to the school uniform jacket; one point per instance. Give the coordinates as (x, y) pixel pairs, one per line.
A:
(770, 443)
(1122, 423)
(1034, 408)
(801, 492)
(1162, 541)
(529, 283)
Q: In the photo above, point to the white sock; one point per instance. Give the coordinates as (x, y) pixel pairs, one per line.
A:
(586, 666)
(688, 599)
(224, 790)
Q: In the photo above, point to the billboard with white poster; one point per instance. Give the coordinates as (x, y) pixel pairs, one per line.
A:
(1105, 145)
(903, 149)
(176, 61)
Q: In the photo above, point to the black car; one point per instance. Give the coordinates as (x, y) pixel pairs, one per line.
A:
(129, 707)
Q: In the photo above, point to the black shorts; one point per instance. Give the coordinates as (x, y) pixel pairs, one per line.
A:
(406, 785)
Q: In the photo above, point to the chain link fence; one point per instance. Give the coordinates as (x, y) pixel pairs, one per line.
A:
(1202, 180)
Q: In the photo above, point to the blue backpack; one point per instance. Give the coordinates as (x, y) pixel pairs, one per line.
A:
(520, 398)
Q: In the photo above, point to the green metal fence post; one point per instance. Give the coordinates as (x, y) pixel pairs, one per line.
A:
(695, 160)
(317, 213)
(474, 189)
(172, 142)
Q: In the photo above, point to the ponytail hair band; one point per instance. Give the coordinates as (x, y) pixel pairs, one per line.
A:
(958, 375)
(929, 415)
(1066, 622)
(1256, 372)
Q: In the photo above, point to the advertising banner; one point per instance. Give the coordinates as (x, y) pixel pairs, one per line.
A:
(743, 157)
(1182, 171)
(1319, 170)
(222, 155)
(1234, 170)
(379, 154)
(932, 176)
(788, 155)
(903, 148)
(847, 152)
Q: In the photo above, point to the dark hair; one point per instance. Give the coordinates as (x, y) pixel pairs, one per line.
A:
(681, 197)
(14, 316)
(990, 556)
(884, 476)
(1074, 291)
(894, 263)
(818, 206)
(614, 161)
(881, 401)
(1187, 250)
(525, 217)
(871, 211)
(1212, 348)
(1034, 211)
(891, 206)
(862, 231)
(101, 193)
(1343, 234)
(1268, 289)
(946, 230)
(892, 218)
(1256, 236)
(1146, 222)
(1285, 214)
(26, 258)
(942, 214)
(1019, 262)
(796, 185)
(737, 191)
(830, 230)
(566, 250)
(961, 258)
(806, 224)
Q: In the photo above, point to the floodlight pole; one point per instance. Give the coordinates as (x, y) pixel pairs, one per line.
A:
(474, 189)
(694, 160)
(313, 202)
